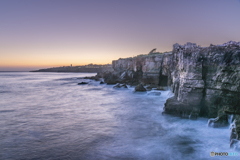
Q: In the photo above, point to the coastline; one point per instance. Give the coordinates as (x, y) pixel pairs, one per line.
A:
(205, 81)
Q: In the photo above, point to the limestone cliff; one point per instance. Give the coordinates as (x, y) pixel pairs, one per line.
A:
(205, 80)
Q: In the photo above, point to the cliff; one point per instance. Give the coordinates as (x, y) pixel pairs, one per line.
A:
(205, 80)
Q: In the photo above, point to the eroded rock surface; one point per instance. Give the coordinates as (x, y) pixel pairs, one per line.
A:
(205, 80)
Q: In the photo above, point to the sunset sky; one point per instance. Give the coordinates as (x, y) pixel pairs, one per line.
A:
(47, 33)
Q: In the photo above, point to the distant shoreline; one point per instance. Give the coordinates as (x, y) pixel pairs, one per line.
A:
(14, 71)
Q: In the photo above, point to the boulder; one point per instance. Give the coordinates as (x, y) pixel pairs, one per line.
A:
(110, 78)
(101, 82)
(120, 86)
(140, 88)
(220, 121)
(124, 86)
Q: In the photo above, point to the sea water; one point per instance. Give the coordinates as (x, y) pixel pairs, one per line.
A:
(48, 116)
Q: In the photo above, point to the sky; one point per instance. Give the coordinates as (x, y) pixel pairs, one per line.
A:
(38, 34)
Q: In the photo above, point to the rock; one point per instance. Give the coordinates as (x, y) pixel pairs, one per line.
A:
(124, 86)
(101, 82)
(120, 86)
(82, 83)
(162, 88)
(172, 106)
(220, 121)
(96, 78)
(140, 88)
(110, 78)
(151, 86)
(235, 144)
(117, 86)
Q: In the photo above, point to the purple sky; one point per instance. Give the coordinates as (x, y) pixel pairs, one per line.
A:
(45, 33)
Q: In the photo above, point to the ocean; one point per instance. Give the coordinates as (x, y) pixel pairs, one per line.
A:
(47, 116)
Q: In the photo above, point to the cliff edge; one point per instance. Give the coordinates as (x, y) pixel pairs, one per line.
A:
(205, 80)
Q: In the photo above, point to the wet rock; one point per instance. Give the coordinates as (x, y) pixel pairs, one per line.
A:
(173, 106)
(220, 121)
(235, 144)
(162, 88)
(140, 88)
(151, 86)
(233, 134)
(101, 82)
(124, 86)
(120, 86)
(96, 78)
(82, 83)
(110, 78)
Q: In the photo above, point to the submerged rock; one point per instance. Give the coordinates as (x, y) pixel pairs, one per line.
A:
(140, 88)
(82, 83)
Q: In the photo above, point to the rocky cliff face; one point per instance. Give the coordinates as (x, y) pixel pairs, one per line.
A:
(205, 80)
(146, 68)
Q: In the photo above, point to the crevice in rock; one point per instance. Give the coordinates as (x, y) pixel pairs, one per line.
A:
(163, 80)
(203, 108)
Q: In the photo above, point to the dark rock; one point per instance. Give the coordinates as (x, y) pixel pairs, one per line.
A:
(233, 134)
(82, 83)
(96, 78)
(110, 78)
(120, 86)
(140, 88)
(101, 82)
(124, 86)
(151, 86)
(172, 106)
(162, 88)
(235, 144)
(117, 86)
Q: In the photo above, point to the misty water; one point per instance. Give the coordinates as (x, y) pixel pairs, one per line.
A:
(48, 116)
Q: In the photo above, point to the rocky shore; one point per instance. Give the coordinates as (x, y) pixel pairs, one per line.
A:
(205, 81)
